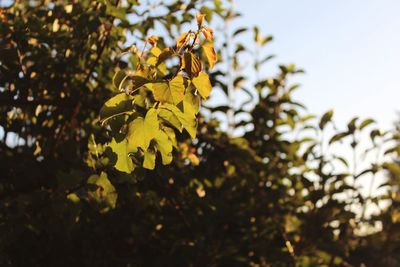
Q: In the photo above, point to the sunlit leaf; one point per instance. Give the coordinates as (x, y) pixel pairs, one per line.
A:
(202, 84)
(142, 131)
(187, 120)
(118, 105)
(210, 54)
(149, 160)
(170, 92)
(164, 146)
(124, 162)
(119, 80)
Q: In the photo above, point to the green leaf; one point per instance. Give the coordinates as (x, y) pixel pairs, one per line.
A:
(325, 119)
(117, 105)
(202, 84)
(170, 92)
(188, 121)
(149, 161)
(115, 11)
(375, 133)
(352, 124)
(191, 104)
(170, 118)
(142, 131)
(164, 146)
(119, 80)
(171, 136)
(338, 137)
(394, 168)
(105, 195)
(211, 56)
(124, 162)
(365, 123)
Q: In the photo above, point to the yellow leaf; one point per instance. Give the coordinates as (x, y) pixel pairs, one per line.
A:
(152, 40)
(182, 40)
(202, 84)
(191, 103)
(187, 120)
(142, 131)
(164, 146)
(149, 161)
(210, 54)
(208, 33)
(170, 92)
(200, 19)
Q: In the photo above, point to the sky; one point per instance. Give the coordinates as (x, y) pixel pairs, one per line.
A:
(350, 50)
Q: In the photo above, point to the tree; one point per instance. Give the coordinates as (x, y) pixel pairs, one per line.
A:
(107, 161)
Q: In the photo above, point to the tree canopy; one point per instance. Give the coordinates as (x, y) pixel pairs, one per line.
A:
(111, 154)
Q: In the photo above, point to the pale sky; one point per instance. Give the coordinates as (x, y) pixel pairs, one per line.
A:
(350, 50)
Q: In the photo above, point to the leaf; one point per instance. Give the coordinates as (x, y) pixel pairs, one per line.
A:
(164, 146)
(238, 81)
(392, 167)
(124, 162)
(392, 150)
(208, 33)
(149, 161)
(182, 40)
(191, 104)
(352, 124)
(170, 118)
(325, 119)
(375, 133)
(191, 64)
(171, 136)
(165, 54)
(187, 120)
(202, 84)
(200, 19)
(142, 131)
(117, 105)
(117, 12)
(170, 92)
(153, 41)
(365, 123)
(338, 137)
(239, 31)
(138, 81)
(105, 195)
(211, 56)
(119, 80)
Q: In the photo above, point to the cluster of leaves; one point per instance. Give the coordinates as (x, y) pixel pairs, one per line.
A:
(154, 182)
(158, 99)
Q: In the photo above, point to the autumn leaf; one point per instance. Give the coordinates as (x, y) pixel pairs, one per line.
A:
(170, 92)
(182, 40)
(200, 19)
(202, 84)
(208, 33)
(191, 64)
(209, 51)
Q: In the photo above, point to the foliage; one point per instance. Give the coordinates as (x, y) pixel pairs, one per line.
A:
(106, 159)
